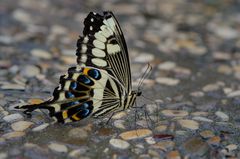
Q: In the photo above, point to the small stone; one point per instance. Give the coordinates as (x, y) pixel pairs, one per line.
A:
(21, 125)
(79, 133)
(167, 66)
(222, 115)
(234, 94)
(210, 87)
(43, 54)
(167, 81)
(150, 140)
(173, 155)
(221, 56)
(206, 134)
(144, 58)
(164, 145)
(3, 155)
(13, 117)
(15, 134)
(30, 71)
(11, 86)
(135, 134)
(2, 140)
(161, 128)
(119, 115)
(118, 143)
(195, 146)
(22, 16)
(199, 118)
(215, 140)
(77, 153)
(58, 147)
(231, 147)
(174, 113)
(40, 127)
(197, 94)
(190, 124)
(225, 32)
(4, 39)
(225, 69)
(119, 124)
(35, 101)
(199, 113)
(182, 71)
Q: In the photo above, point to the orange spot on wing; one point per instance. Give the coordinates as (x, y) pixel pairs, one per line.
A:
(85, 71)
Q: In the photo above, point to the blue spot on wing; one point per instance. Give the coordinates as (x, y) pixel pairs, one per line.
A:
(85, 80)
(94, 74)
(73, 85)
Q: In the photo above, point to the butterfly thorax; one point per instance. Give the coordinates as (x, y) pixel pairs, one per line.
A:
(131, 98)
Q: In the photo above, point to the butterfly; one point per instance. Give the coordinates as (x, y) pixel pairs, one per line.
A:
(101, 81)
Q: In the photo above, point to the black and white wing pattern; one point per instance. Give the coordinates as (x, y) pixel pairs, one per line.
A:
(101, 81)
(103, 46)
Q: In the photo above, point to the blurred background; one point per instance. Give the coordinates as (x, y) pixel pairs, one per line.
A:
(193, 46)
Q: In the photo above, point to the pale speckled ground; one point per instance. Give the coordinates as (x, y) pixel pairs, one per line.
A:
(192, 46)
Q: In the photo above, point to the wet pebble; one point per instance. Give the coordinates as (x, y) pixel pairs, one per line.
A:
(164, 145)
(135, 134)
(224, 69)
(78, 153)
(173, 155)
(167, 81)
(41, 127)
(118, 143)
(210, 87)
(190, 124)
(215, 140)
(195, 146)
(144, 58)
(119, 124)
(231, 147)
(43, 54)
(58, 147)
(3, 155)
(14, 134)
(167, 66)
(174, 113)
(119, 115)
(161, 128)
(30, 71)
(21, 125)
(22, 16)
(207, 134)
(204, 119)
(79, 133)
(234, 94)
(13, 117)
(223, 116)
(150, 140)
(197, 94)
(12, 86)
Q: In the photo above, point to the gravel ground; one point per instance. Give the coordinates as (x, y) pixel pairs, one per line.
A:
(191, 100)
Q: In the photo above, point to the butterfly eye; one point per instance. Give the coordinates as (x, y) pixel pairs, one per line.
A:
(94, 74)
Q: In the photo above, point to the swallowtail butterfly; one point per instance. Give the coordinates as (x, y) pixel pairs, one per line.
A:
(101, 82)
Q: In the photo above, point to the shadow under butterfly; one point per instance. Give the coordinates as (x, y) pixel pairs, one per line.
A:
(101, 82)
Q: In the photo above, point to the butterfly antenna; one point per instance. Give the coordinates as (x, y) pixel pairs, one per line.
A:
(145, 75)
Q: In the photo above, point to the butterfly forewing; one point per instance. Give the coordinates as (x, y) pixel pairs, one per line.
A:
(103, 46)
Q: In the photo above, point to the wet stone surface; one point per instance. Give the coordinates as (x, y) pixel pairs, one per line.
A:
(190, 103)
